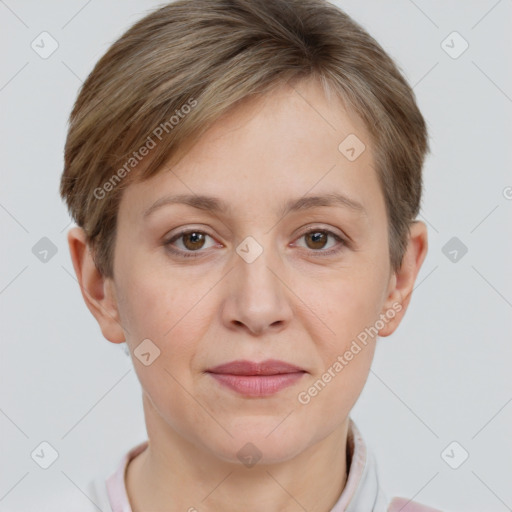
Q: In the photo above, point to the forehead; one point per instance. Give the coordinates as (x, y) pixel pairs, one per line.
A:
(292, 113)
(284, 143)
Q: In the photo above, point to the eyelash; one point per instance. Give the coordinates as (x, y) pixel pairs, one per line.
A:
(192, 254)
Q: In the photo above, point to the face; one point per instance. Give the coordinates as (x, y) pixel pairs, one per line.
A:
(287, 260)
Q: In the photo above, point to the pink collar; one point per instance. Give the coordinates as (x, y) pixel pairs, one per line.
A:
(361, 492)
(116, 487)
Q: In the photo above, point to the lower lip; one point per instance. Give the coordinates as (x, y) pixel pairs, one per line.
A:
(257, 385)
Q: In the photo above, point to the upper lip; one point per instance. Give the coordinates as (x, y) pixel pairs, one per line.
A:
(267, 367)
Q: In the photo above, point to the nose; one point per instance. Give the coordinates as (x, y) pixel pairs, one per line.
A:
(257, 298)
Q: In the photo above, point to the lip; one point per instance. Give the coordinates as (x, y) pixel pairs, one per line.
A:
(267, 367)
(253, 379)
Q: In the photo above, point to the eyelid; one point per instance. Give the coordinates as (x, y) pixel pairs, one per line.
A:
(327, 229)
(185, 231)
(342, 240)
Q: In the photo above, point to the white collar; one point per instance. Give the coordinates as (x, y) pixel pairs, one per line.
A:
(361, 492)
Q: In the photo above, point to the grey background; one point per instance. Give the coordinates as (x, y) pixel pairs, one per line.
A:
(444, 376)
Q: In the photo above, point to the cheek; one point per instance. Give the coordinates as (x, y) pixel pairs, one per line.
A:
(346, 306)
(334, 393)
(158, 305)
(351, 309)
(169, 314)
(345, 348)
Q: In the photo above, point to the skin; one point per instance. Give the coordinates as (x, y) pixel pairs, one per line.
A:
(291, 303)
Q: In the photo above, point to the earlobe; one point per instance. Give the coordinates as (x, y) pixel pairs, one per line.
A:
(97, 291)
(402, 282)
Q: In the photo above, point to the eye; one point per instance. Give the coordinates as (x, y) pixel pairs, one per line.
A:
(191, 240)
(317, 239)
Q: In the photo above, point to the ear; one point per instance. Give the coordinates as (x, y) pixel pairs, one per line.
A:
(402, 281)
(98, 292)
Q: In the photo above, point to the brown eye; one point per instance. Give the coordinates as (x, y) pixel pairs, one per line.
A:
(189, 243)
(193, 240)
(316, 239)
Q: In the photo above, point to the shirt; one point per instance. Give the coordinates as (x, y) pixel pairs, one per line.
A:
(362, 492)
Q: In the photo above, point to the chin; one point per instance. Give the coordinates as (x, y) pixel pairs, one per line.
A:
(265, 441)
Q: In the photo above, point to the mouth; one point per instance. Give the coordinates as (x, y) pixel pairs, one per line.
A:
(253, 379)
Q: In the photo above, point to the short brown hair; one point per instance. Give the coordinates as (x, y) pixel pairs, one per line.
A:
(184, 65)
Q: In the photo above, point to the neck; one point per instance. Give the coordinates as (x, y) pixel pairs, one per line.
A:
(173, 474)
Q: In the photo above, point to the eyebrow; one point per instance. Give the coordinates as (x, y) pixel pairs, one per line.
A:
(216, 205)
